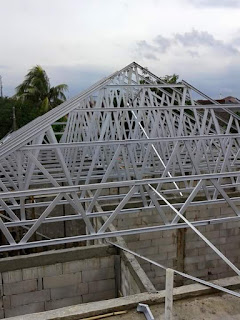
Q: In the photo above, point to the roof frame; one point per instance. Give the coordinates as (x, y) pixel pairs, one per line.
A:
(148, 139)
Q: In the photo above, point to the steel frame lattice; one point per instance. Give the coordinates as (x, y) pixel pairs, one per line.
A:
(130, 131)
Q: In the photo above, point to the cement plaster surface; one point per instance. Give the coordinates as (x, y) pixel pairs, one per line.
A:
(212, 307)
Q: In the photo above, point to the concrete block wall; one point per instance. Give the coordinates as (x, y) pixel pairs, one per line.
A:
(130, 276)
(60, 229)
(128, 284)
(202, 261)
(133, 278)
(197, 258)
(56, 279)
(158, 246)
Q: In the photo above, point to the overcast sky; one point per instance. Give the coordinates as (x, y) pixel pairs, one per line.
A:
(80, 41)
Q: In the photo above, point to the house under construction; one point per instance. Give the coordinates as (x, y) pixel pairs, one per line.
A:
(99, 196)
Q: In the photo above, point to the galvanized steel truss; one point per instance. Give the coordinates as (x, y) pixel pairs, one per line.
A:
(130, 131)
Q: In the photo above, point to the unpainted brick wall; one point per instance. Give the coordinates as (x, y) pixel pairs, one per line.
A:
(128, 284)
(158, 246)
(198, 259)
(60, 229)
(41, 288)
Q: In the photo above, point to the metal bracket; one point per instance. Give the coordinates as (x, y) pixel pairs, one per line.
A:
(146, 310)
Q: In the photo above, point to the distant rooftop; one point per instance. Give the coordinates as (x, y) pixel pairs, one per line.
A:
(226, 100)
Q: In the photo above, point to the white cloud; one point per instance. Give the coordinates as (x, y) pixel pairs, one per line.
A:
(216, 3)
(73, 36)
(194, 39)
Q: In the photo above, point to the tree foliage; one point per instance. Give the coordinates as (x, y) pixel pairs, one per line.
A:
(24, 113)
(36, 90)
(34, 96)
(172, 79)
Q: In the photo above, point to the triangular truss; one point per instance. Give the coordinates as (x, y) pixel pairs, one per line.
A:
(131, 132)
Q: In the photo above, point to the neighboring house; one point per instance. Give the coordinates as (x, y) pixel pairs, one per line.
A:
(221, 112)
(226, 100)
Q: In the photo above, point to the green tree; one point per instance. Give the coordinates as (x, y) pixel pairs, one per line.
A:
(36, 90)
(24, 113)
(172, 79)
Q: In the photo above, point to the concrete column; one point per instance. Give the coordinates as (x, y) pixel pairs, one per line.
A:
(169, 294)
(180, 255)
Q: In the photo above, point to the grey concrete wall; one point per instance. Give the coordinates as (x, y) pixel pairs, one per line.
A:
(128, 284)
(59, 229)
(200, 260)
(158, 246)
(133, 278)
(59, 278)
(53, 280)
(127, 303)
(130, 277)
(194, 257)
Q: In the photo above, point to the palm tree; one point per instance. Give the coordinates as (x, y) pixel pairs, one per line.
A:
(36, 89)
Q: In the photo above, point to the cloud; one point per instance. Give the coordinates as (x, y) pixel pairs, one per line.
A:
(194, 40)
(149, 51)
(203, 38)
(124, 4)
(216, 3)
(150, 56)
(162, 43)
(146, 50)
(193, 54)
(236, 41)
